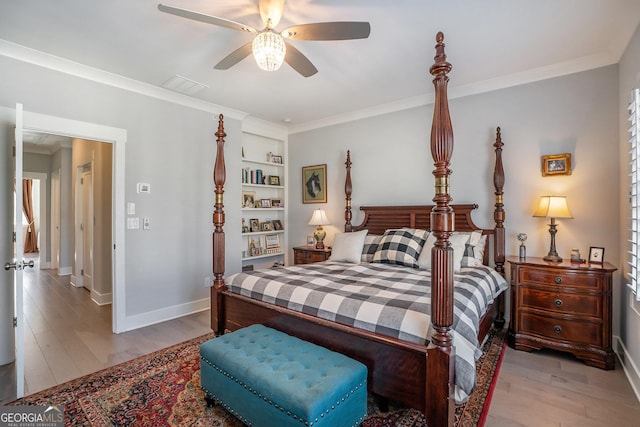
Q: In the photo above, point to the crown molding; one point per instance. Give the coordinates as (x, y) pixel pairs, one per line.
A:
(516, 79)
(45, 60)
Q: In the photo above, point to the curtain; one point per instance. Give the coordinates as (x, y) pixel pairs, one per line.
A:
(30, 240)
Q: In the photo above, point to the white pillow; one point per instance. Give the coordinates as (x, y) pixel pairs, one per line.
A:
(457, 241)
(347, 247)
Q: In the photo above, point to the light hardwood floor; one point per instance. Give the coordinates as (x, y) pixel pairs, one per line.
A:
(69, 336)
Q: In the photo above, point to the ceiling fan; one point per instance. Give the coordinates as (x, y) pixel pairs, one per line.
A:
(269, 47)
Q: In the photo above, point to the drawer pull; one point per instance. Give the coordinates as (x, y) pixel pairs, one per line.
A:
(557, 329)
(558, 280)
(558, 302)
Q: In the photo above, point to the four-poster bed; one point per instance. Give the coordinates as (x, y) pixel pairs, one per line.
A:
(416, 374)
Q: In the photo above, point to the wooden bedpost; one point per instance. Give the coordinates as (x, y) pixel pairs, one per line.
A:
(219, 177)
(439, 405)
(498, 214)
(499, 217)
(347, 191)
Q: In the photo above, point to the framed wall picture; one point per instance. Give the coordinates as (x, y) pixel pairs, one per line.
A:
(314, 184)
(556, 164)
(596, 255)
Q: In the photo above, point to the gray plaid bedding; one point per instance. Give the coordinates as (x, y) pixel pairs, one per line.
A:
(388, 299)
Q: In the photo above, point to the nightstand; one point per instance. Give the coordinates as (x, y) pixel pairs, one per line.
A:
(309, 254)
(562, 306)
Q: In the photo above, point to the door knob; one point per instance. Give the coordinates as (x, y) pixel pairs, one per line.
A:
(19, 265)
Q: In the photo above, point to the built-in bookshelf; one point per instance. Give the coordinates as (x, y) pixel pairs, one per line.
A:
(264, 219)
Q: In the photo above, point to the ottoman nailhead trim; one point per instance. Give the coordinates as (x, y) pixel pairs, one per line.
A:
(295, 417)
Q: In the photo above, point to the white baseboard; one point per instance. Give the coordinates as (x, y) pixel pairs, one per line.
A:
(629, 366)
(162, 315)
(101, 299)
(73, 281)
(64, 271)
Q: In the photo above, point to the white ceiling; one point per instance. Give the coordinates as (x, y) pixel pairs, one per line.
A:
(491, 44)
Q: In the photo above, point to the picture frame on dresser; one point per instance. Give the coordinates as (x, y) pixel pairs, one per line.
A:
(596, 255)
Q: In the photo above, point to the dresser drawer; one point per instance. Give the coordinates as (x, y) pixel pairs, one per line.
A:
(560, 278)
(576, 332)
(565, 303)
(309, 256)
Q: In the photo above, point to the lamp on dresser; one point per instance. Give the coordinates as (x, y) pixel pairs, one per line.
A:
(319, 218)
(553, 207)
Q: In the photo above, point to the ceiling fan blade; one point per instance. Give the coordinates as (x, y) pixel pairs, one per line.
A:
(208, 19)
(234, 57)
(328, 31)
(299, 62)
(271, 12)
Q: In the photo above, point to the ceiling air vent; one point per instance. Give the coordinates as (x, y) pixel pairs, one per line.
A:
(183, 85)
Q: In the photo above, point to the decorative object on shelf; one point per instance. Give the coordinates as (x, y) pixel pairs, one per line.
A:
(319, 218)
(266, 226)
(596, 255)
(265, 203)
(276, 159)
(277, 224)
(248, 199)
(272, 241)
(254, 225)
(575, 256)
(314, 184)
(277, 203)
(274, 180)
(245, 227)
(553, 207)
(556, 164)
(522, 237)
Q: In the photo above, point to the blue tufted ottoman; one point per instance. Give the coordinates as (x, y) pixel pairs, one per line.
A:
(268, 378)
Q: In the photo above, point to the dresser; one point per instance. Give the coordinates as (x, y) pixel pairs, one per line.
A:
(309, 254)
(562, 306)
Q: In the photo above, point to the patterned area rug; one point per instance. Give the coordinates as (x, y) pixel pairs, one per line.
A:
(163, 388)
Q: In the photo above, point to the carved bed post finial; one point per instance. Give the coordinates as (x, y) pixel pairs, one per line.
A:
(347, 191)
(442, 225)
(219, 177)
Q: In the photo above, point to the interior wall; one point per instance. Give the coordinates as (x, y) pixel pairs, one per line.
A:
(629, 308)
(170, 147)
(392, 163)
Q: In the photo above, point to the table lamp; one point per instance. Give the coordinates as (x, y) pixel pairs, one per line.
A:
(319, 218)
(553, 207)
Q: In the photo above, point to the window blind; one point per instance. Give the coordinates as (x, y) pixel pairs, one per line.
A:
(634, 140)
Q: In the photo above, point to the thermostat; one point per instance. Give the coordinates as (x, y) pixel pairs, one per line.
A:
(144, 188)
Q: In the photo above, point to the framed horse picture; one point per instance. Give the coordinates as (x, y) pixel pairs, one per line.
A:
(314, 184)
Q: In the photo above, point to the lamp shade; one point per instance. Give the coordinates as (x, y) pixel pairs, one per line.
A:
(269, 50)
(553, 207)
(319, 218)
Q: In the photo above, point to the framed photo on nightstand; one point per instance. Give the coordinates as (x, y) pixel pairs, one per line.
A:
(596, 255)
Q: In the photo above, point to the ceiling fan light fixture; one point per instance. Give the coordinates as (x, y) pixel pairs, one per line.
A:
(269, 50)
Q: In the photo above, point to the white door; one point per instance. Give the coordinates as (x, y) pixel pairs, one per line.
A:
(87, 229)
(17, 264)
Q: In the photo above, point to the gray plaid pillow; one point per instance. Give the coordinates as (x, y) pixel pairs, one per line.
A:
(370, 247)
(401, 247)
